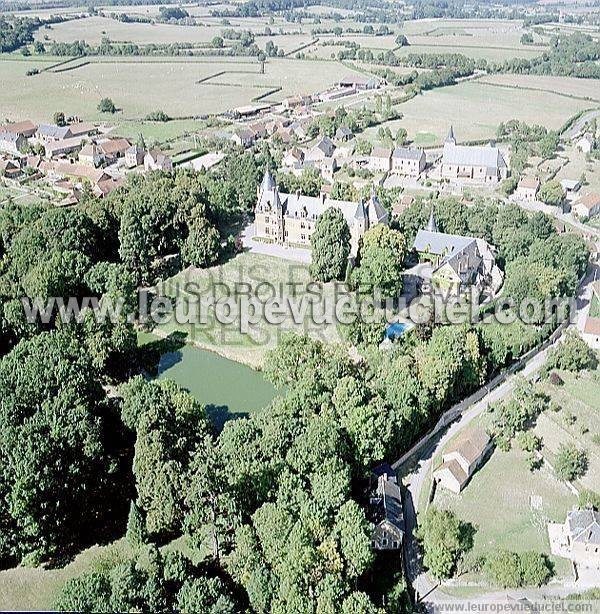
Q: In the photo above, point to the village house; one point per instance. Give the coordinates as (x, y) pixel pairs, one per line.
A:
(155, 160)
(578, 539)
(380, 159)
(591, 326)
(586, 206)
(323, 149)
(12, 143)
(91, 155)
(484, 164)
(359, 82)
(244, 137)
(586, 143)
(290, 219)
(285, 135)
(386, 510)
(10, 169)
(25, 128)
(259, 129)
(47, 133)
(113, 149)
(62, 147)
(462, 458)
(134, 156)
(527, 189)
(293, 158)
(299, 129)
(403, 203)
(328, 168)
(343, 134)
(457, 262)
(570, 188)
(291, 102)
(408, 161)
(82, 129)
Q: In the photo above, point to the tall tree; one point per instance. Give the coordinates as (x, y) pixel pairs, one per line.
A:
(330, 244)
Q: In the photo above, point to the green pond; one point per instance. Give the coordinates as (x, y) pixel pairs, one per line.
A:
(227, 388)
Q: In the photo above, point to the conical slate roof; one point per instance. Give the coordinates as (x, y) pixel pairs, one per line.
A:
(450, 138)
(431, 224)
(268, 183)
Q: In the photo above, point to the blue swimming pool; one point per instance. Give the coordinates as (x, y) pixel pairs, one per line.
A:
(395, 330)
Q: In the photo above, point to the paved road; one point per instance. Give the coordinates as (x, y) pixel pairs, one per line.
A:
(425, 589)
(578, 125)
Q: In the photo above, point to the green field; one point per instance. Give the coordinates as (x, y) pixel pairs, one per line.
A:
(567, 86)
(133, 85)
(475, 110)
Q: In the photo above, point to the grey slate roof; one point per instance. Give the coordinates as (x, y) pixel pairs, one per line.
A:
(440, 243)
(9, 137)
(53, 131)
(342, 132)
(463, 155)
(407, 153)
(584, 526)
(392, 502)
(268, 183)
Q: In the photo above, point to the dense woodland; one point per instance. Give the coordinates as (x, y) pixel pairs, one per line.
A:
(275, 499)
(273, 506)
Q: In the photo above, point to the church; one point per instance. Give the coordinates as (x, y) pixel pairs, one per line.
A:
(483, 164)
(290, 219)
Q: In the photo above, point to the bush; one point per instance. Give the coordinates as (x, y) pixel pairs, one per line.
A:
(445, 539)
(571, 463)
(573, 354)
(590, 499)
(556, 379)
(106, 105)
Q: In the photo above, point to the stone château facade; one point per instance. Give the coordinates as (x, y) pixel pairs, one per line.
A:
(290, 219)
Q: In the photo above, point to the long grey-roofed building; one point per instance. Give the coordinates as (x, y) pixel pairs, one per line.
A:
(486, 164)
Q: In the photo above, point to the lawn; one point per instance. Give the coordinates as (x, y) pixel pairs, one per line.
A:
(246, 271)
(577, 165)
(476, 109)
(577, 421)
(19, 195)
(510, 506)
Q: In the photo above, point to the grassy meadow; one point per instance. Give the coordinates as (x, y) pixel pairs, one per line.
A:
(475, 109)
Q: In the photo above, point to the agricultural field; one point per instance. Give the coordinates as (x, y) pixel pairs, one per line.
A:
(93, 29)
(588, 89)
(132, 84)
(494, 54)
(475, 110)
